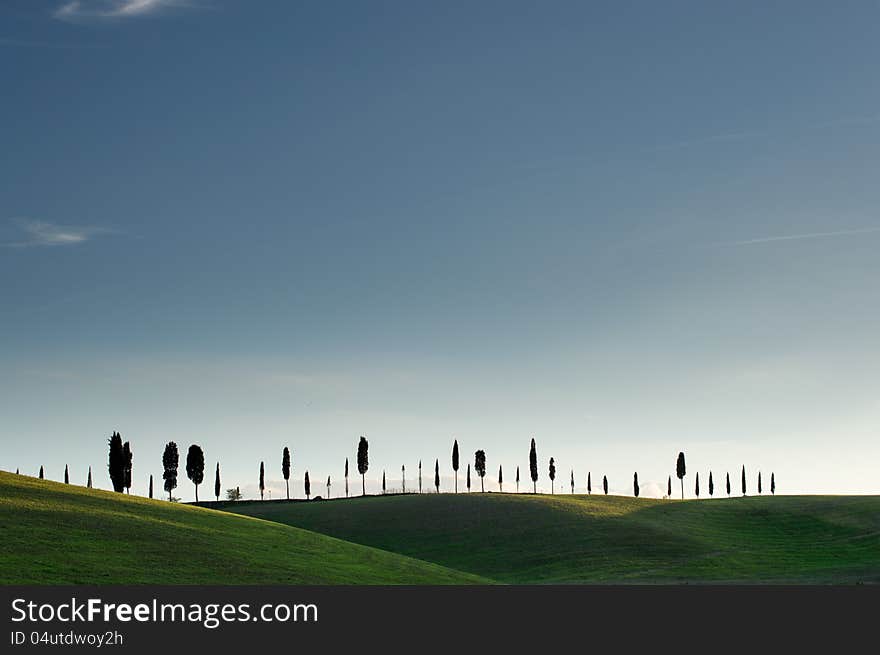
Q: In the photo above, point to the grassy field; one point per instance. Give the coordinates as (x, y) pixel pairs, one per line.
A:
(54, 533)
(607, 539)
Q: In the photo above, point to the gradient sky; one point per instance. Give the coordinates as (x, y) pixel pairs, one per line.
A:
(625, 229)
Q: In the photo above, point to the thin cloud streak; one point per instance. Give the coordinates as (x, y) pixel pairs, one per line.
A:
(79, 10)
(795, 237)
(43, 233)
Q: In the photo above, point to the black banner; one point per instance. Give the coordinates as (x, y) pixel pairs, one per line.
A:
(402, 619)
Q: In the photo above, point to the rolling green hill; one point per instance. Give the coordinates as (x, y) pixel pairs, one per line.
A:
(54, 533)
(606, 539)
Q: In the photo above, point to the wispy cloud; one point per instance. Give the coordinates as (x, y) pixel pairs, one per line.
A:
(807, 235)
(76, 10)
(36, 233)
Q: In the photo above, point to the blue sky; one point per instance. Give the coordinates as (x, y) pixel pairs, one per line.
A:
(625, 229)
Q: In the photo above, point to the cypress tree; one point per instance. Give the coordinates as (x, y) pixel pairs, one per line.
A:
(346, 477)
(328, 486)
(517, 479)
(636, 484)
(262, 479)
(728, 483)
(572, 481)
(16, 471)
(760, 490)
(195, 466)
(41, 472)
(403, 478)
(711, 485)
(116, 463)
(480, 466)
(383, 482)
(217, 482)
(469, 478)
(589, 484)
(744, 479)
(500, 480)
(773, 483)
(89, 481)
(455, 463)
(126, 456)
(170, 461)
(151, 486)
(552, 470)
(420, 476)
(669, 487)
(437, 475)
(308, 487)
(697, 487)
(605, 484)
(533, 467)
(66, 475)
(363, 461)
(285, 469)
(680, 471)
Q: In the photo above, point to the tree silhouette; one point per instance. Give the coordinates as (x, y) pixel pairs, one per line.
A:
(151, 483)
(383, 482)
(403, 478)
(41, 471)
(669, 487)
(773, 483)
(455, 463)
(346, 477)
(437, 475)
(89, 481)
(195, 466)
(363, 462)
(680, 472)
(533, 467)
(116, 462)
(711, 485)
(233, 494)
(328, 486)
(308, 487)
(605, 484)
(66, 475)
(728, 483)
(285, 469)
(480, 466)
(697, 487)
(420, 477)
(469, 478)
(500, 480)
(517, 479)
(262, 479)
(744, 479)
(589, 484)
(552, 474)
(572, 481)
(217, 482)
(170, 461)
(760, 490)
(636, 484)
(126, 456)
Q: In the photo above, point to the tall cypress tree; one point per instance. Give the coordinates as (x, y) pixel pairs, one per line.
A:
(480, 466)
(437, 475)
(195, 466)
(420, 477)
(517, 479)
(346, 477)
(89, 481)
(363, 461)
(697, 487)
(217, 482)
(680, 471)
(328, 486)
(773, 483)
(760, 489)
(500, 480)
(552, 470)
(116, 462)
(170, 462)
(308, 487)
(403, 478)
(711, 485)
(636, 484)
(126, 455)
(669, 487)
(285, 469)
(66, 475)
(533, 466)
(383, 482)
(728, 483)
(151, 486)
(744, 479)
(605, 484)
(262, 479)
(589, 484)
(572, 481)
(41, 472)
(455, 463)
(469, 478)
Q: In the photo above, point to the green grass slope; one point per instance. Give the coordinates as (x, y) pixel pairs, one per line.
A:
(54, 533)
(606, 539)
